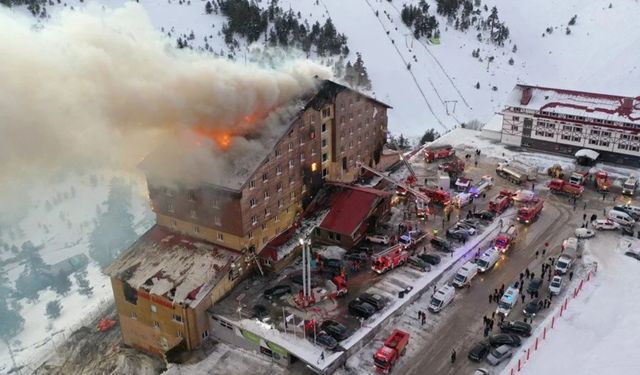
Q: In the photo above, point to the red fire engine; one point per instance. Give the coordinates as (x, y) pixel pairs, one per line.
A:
(505, 239)
(603, 183)
(394, 347)
(437, 196)
(389, 259)
(501, 202)
(563, 187)
(438, 152)
(530, 212)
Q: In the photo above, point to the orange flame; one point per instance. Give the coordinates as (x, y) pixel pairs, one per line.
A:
(220, 137)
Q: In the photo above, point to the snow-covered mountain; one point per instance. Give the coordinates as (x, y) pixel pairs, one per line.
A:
(439, 90)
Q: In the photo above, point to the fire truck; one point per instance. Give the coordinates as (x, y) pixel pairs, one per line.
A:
(334, 288)
(434, 153)
(500, 202)
(437, 196)
(419, 196)
(394, 347)
(389, 259)
(505, 239)
(602, 182)
(579, 177)
(559, 186)
(531, 210)
(512, 173)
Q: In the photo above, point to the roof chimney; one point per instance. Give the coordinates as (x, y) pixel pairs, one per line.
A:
(526, 96)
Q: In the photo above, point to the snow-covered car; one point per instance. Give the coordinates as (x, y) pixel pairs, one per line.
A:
(584, 233)
(482, 371)
(378, 238)
(555, 286)
(523, 195)
(499, 354)
(604, 224)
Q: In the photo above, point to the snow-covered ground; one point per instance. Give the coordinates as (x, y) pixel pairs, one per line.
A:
(600, 326)
(61, 219)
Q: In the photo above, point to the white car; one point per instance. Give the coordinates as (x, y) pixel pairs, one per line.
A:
(378, 238)
(604, 224)
(523, 195)
(482, 371)
(563, 264)
(555, 286)
(585, 233)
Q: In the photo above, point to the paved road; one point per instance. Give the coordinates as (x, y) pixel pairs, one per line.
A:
(462, 325)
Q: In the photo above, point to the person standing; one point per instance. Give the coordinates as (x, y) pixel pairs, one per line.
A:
(537, 253)
(570, 275)
(453, 356)
(523, 296)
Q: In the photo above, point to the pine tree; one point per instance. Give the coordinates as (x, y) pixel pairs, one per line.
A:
(84, 287)
(11, 323)
(573, 19)
(208, 7)
(511, 61)
(53, 309)
(478, 85)
(60, 283)
(515, 49)
(429, 136)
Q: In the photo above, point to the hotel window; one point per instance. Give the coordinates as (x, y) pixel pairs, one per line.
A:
(324, 143)
(277, 152)
(205, 334)
(252, 184)
(215, 203)
(265, 177)
(280, 202)
(267, 195)
(279, 186)
(291, 163)
(293, 194)
(312, 134)
(291, 180)
(326, 112)
(170, 207)
(154, 308)
(264, 227)
(324, 128)
(217, 221)
(301, 157)
(325, 157)
(267, 212)
(278, 170)
(324, 172)
(277, 220)
(250, 234)
(177, 318)
(221, 237)
(178, 333)
(196, 229)
(254, 220)
(156, 324)
(516, 118)
(514, 128)
(290, 146)
(194, 214)
(192, 195)
(252, 202)
(133, 315)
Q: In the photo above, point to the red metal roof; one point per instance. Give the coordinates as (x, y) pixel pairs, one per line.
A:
(349, 208)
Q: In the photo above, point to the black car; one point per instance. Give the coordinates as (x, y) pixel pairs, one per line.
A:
(441, 244)
(364, 249)
(277, 291)
(260, 312)
(433, 259)
(519, 328)
(532, 307)
(534, 286)
(478, 351)
(333, 263)
(374, 300)
(504, 339)
(362, 257)
(484, 215)
(458, 234)
(326, 340)
(335, 329)
(361, 309)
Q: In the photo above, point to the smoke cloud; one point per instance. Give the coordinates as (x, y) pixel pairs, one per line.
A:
(102, 87)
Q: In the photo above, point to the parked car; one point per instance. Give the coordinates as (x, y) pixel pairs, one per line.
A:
(419, 264)
(471, 230)
(563, 264)
(469, 223)
(482, 371)
(479, 351)
(505, 339)
(277, 291)
(517, 327)
(457, 233)
(534, 285)
(378, 238)
(627, 211)
(484, 215)
(584, 233)
(260, 312)
(375, 300)
(335, 329)
(325, 340)
(555, 286)
(441, 244)
(532, 308)
(361, 309)
(433, 259)
(499, 354)
(605, 224)
(362, 257)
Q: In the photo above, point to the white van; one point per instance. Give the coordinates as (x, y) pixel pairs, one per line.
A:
(488, 259)
(620, 218)
(563, 264)
(464, 275)
(634, 209)
(441, 298)
(508, 301)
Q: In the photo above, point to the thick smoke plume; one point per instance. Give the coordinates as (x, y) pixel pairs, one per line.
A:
(96, 87)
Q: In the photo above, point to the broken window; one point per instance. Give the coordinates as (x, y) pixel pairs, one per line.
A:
(130, 294)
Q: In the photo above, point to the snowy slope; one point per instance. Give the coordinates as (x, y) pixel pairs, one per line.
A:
(600, 327)
(598, 55)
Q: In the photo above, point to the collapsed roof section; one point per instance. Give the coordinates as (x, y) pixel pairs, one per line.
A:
(180, 268)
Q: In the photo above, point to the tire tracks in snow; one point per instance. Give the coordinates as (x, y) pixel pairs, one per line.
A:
(424, 97)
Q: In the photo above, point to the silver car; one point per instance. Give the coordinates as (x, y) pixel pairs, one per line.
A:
(499, 354)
